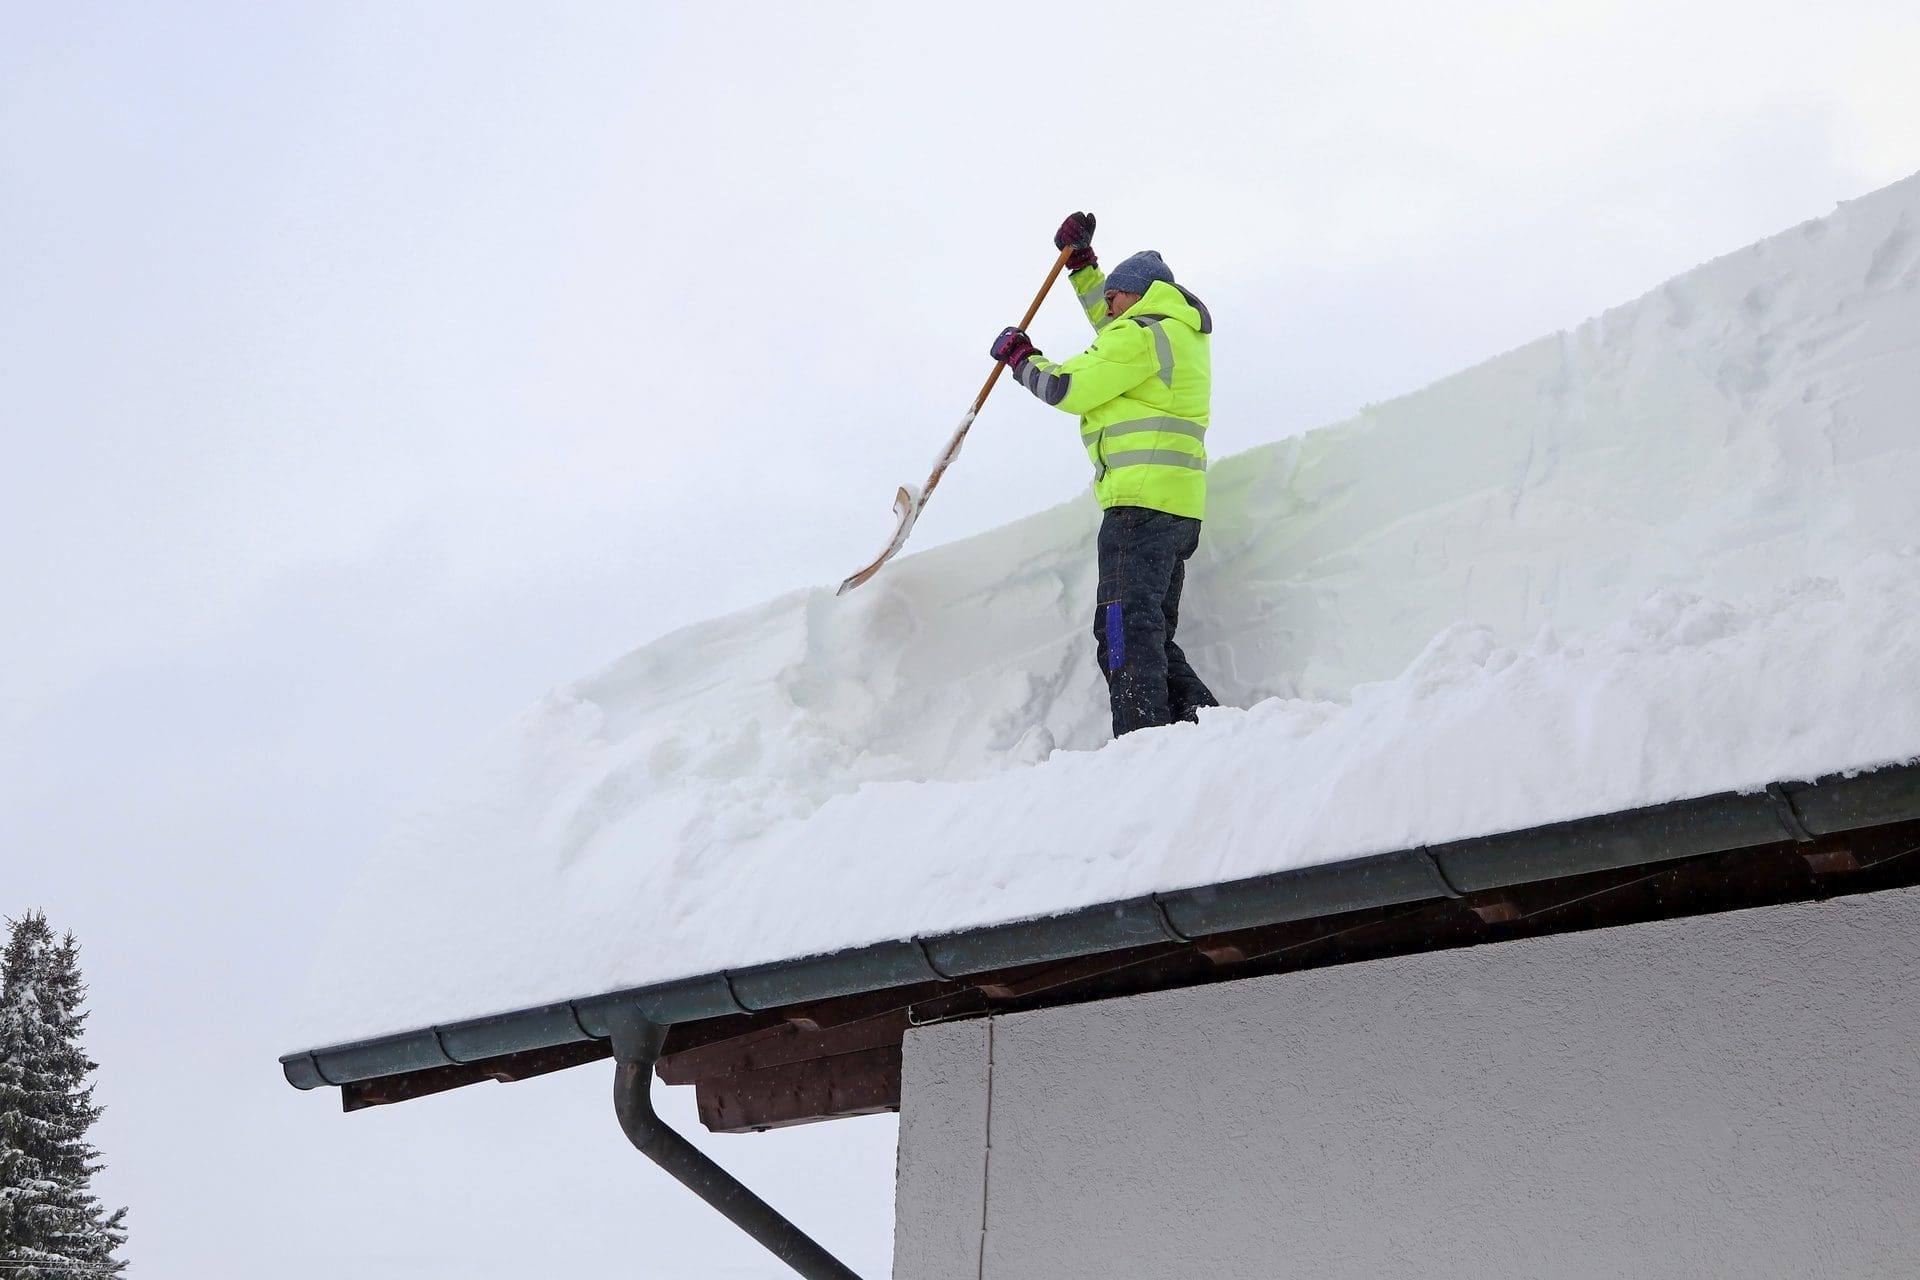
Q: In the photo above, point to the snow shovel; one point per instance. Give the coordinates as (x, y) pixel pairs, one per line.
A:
(910, 502)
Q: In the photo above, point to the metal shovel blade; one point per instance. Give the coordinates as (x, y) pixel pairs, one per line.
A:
(906, 509)
(908, 503)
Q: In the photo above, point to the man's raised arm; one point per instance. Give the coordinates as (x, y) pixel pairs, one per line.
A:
(1089, 281)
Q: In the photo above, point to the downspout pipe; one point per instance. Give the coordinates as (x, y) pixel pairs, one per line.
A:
(636, 1047)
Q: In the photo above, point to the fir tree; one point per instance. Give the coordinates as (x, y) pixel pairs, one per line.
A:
(51, 1226)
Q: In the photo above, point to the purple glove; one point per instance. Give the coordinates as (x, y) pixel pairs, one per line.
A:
(1077, 231)
(1012, 346)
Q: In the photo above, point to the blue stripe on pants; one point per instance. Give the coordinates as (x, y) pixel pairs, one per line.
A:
(1116, 638)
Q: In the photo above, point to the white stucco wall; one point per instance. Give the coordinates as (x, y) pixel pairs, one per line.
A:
(1732, 1095)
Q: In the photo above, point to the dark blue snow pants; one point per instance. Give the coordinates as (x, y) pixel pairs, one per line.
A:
(1143, 565)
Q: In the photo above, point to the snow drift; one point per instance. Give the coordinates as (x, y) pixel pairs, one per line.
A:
(1668, 553)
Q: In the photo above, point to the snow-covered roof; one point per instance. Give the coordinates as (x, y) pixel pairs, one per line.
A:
(1670, 553)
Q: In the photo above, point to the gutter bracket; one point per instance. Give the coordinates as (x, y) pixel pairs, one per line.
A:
(1451, 889)
(726, 980)
(636, 1048)
(573, 1012)
(1788, 815)
(926, 958)
(1165, 920)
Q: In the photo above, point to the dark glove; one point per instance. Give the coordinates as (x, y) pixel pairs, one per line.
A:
(1077, 231)
(1012, 346)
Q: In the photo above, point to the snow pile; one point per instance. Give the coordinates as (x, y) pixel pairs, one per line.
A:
(1669, 553)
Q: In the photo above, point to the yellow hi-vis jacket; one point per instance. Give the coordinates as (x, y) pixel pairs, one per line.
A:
(1142, 392)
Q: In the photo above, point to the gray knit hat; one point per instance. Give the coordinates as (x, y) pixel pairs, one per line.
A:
(1138, 273)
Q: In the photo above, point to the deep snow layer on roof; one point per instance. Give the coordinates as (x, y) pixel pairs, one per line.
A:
(1672, 552)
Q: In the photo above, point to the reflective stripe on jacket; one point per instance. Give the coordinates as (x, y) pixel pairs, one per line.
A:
(1142, 392)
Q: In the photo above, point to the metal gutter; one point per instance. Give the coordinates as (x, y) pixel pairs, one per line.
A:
(1792, 811)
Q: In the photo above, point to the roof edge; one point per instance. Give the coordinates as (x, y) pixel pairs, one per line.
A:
(1785, 811)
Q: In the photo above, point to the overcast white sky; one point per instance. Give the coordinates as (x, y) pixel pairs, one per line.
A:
(368, 368)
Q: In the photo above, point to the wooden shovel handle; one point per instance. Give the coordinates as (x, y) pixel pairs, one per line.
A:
(1026, 320)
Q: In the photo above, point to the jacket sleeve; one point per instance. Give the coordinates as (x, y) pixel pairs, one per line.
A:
(1090, 288)
(1120, 359)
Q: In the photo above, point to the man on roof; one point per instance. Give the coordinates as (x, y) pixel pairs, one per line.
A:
(1141, 392)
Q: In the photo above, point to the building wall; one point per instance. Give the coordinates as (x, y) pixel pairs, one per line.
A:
(1732, 1095)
